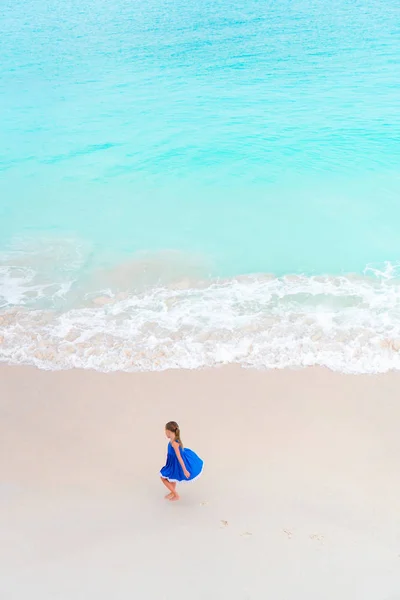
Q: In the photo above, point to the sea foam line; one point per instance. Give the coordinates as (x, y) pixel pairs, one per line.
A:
(349, 324)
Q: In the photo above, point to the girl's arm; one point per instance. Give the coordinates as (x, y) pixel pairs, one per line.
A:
(175, 446)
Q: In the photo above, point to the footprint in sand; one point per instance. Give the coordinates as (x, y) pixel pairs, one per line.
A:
(224, 523)
(288, 533)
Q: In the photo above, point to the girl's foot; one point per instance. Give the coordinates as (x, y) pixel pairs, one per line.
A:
(175, 498)
(169, 496)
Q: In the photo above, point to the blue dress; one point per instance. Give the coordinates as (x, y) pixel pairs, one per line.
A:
(173, 470)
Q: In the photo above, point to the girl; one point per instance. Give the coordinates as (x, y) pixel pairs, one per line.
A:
(182, 464)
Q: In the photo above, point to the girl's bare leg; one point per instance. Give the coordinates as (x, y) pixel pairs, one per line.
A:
(171, 494)
(169, 485)
(172, 488)
(175, 496)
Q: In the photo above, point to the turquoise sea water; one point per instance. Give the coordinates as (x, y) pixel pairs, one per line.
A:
(190, 183)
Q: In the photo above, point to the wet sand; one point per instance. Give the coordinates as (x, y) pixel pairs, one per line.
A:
(300, 496)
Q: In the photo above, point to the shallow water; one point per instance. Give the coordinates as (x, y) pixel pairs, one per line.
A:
(159, 159)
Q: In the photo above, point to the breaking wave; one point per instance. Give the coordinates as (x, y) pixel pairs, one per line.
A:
(346, 323)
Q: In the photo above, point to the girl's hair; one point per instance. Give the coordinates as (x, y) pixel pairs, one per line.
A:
(174, 428)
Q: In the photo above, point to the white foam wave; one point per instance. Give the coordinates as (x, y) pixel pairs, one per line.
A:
(350, 324)
(40, 272)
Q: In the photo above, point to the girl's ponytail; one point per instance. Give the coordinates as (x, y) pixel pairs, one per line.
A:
(178, 436)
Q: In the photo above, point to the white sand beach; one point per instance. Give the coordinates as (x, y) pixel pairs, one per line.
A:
(299, 499)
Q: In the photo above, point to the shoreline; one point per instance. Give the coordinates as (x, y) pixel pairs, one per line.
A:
(348, 324)
(300, 490)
